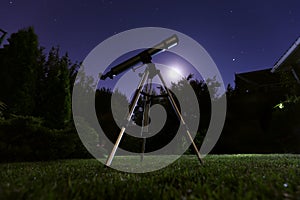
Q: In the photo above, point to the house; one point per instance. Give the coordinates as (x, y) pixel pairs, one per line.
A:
(258, 81)
(290, 61)
(261, 119)
(269, 80)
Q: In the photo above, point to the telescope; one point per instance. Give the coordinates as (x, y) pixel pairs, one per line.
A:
(144, 57)
(151, 71)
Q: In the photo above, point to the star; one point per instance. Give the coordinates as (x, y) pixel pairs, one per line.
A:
(233, 59)
(10, 2)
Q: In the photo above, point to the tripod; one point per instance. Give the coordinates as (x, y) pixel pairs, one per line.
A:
(149, 73)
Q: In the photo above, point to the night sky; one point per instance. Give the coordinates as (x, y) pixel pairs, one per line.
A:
(239, 35)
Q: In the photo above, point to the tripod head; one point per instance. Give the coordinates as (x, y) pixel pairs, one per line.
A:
(144, 57)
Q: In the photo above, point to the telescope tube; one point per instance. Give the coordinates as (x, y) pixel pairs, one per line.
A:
(144, 57)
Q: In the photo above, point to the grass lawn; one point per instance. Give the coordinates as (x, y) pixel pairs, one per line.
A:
(221, 177)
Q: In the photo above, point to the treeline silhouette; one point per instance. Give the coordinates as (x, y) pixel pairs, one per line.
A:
(36, 120)
(35, 90)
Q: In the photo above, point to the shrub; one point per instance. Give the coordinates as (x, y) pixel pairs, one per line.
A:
(24, 138)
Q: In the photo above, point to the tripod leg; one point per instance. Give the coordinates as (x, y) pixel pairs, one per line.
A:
(173, 103)
(128, 118)
(113, 152)
(143, 148)
(145, 121)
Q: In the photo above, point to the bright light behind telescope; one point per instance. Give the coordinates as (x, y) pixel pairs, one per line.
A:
(174, 73)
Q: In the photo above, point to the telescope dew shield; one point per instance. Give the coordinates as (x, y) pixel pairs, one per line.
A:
(144, 57)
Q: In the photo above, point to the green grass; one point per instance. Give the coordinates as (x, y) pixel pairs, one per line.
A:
(222, 177)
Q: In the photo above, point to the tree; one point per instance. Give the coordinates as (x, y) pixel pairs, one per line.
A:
(57, 104)
(105, 105)
(18, 71)
(73, 71)
(201, 90)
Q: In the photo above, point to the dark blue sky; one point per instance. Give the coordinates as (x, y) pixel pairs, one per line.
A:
(239, 35)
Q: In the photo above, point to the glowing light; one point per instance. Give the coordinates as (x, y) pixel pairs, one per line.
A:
(174, 73)
(281, 106)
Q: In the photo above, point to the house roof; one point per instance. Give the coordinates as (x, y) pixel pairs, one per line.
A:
(289, 58)
(258, 78)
